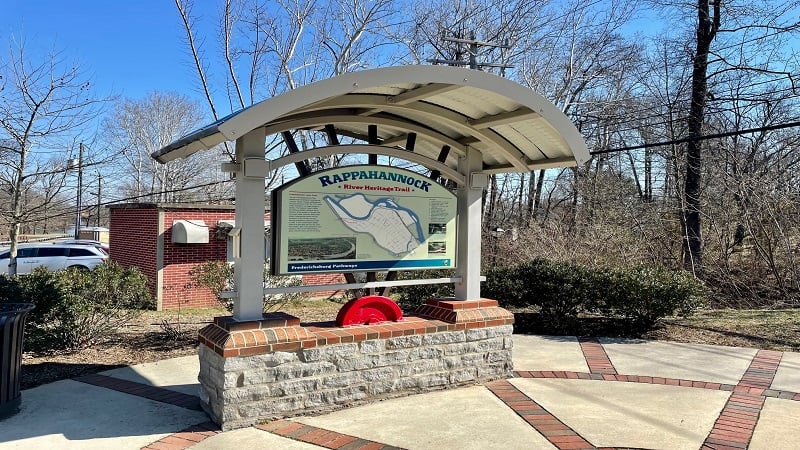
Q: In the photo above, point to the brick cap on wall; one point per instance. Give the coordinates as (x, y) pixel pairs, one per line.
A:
(268, 320)
(282, 332)
(464, 311)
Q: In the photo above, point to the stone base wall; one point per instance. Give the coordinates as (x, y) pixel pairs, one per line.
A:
(276, 368)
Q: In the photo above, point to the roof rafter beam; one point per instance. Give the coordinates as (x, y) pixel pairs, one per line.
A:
(435, 174)
(551, 163)
(411, 142)
(302, 167)
(436, 114)
(504, 118)
(421, 93)
(321, 118)
(372, 138)
(330, 131)
(320, 152)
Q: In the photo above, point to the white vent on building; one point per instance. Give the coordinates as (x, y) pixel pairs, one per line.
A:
(189, 232)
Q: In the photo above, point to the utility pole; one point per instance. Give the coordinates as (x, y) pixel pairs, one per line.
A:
(80, 188)
(99, 191)
(473, 47)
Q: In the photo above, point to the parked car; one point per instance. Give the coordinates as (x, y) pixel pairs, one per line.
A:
(101, 245)
(53, 257)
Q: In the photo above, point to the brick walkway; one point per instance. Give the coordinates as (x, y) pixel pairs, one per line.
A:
(732, 429)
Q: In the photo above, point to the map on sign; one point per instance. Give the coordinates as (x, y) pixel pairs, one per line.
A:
(362, 218)
(393, 227)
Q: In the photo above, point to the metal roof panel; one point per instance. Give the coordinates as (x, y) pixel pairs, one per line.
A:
(511, 125)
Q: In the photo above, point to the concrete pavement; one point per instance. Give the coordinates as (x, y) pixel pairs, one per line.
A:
(568, 393)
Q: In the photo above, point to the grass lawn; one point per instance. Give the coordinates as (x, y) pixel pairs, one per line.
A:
(767, 329)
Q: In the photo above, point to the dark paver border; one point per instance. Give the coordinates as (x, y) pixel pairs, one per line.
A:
(186, 437)
(738, 419)
(158, 394)
(548, 425)
(321, 436)
(596, 357)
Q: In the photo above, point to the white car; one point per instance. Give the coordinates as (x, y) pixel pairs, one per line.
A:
(101, 245)
(53, 257)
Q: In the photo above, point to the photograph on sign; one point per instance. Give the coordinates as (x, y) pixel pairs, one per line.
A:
(362, 218)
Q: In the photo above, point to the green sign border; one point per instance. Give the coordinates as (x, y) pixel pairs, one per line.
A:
(368, 180)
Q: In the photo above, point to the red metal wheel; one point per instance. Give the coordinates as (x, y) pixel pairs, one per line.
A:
(367, 310)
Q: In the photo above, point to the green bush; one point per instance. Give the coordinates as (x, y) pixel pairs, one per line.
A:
(562, 290)
(506, 285)
(218, 276)
(644, 295)
(410, 297)
(559, 290)
(76, 308)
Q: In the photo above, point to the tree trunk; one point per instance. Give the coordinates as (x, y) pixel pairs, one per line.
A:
(648, 175)
(491, 202)
(520, 195)
(635, 174)
(537, 199)
(531, 195)
(13, 232)
(707, 26)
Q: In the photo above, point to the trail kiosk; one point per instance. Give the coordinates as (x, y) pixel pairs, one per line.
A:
(462, 125)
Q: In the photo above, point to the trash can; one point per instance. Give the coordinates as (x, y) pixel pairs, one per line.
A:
(12, 323)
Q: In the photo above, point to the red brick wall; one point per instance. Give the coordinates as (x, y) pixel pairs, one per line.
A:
(134, 243)
(133, 239)
(324, 278)
(179, 259)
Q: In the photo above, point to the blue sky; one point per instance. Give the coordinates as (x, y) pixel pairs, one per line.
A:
(126, 47)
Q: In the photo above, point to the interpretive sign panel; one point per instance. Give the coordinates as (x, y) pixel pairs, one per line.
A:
(362, 218)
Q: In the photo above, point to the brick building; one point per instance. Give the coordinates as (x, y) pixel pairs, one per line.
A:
(141, 235)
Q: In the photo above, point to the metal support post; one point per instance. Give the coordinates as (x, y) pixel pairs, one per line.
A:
(250, 204)
(469, 226)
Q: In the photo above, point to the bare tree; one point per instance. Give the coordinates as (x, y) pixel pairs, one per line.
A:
(352, 32)
(574, 63)
(44, 104)
(137, 128)
(267, 49)
(732, 40)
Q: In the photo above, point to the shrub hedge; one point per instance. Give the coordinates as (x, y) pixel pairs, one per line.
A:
(562, 290)
(410, 297)
(76, 308)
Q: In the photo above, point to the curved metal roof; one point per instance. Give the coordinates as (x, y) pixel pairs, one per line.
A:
(514, 128)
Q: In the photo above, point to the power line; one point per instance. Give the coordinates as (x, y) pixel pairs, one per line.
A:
(626, 124)
(133, 197)
(699, 138)
(636, 125)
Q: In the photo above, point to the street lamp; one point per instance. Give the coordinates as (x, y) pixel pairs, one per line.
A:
(78, 164)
